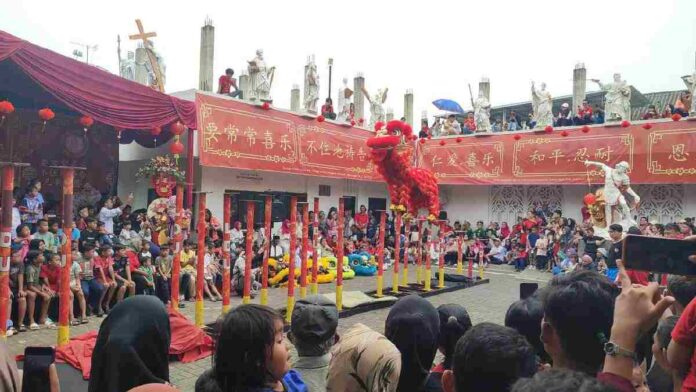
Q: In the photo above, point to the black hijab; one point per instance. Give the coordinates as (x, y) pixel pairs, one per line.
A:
(132, 348)
(413, 326)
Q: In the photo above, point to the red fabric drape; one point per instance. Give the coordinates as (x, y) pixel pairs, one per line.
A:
(107, 98)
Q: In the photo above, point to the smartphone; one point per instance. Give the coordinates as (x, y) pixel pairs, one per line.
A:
(37, 360)
(661, 255)
(528, 289)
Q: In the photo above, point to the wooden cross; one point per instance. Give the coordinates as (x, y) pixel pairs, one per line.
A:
(142, 35)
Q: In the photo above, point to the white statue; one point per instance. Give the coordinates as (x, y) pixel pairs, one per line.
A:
(376, 105)
(344, 101)
(616, 182)
(150, 47)
(617, 100)
(542, 104)
(260, 78)
(127, 66)
(690, 82)
(311, 88)
(482, 113)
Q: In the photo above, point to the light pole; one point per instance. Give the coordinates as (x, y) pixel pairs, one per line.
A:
(330, 66)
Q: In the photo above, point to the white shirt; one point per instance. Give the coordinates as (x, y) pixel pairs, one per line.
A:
(16, 221)
(107, 216)
(275, 252)
(236, 236)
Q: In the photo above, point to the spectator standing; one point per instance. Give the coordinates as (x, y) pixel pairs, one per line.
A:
(454, 322)
(513, 121)
(362, 219)
(226, 82)
(425, 130)
(107, 213)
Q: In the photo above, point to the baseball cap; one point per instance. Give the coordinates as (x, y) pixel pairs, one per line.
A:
(314, 319)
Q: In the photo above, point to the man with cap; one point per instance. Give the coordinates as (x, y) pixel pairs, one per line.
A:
(313, 332)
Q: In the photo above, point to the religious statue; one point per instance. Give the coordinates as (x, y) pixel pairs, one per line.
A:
(376, 105)
(617, 101)
(616, 183)
(482, 113)
(127, 66)
(690, 82)
(311, 88)
(344, 101)
(159, 63)
(260, 78)
(542, 104)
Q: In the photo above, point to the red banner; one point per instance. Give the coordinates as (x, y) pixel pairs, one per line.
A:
(661, 154)
(239, 135)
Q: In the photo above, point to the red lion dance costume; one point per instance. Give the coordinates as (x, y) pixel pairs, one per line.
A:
(410, 188)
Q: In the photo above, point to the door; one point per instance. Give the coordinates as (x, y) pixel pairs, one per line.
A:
(376, 204)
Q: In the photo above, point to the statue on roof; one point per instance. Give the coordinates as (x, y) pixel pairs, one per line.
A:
(617, 101)
(690, 82)
(376, 105)
(542, 104)
(260, 78)
(344, 101)
(482, 113)
(311, 88)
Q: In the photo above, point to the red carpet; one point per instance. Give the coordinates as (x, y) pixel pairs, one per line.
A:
(189, 344)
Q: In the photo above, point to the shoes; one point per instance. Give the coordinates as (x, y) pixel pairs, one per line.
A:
(34, 327)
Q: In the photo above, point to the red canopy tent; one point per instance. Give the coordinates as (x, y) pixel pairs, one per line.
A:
(88, 90)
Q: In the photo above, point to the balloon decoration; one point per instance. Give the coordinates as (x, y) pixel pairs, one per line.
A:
(548, 129)
(564, 133)
(647, 126)
(589, 199)
(46, 115)
(585, 129)
(266, 106)
(442, 142)
(625, 124)
(676, 117)
(517, 137)
(352, 123)
(459, 140)
(321, 119)
(87, 121)
(361, 121)
(422, 141)
(6, 108)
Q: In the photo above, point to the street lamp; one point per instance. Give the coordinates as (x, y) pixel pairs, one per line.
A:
(330, 66)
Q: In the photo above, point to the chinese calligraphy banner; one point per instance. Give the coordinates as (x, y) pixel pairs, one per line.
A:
(661, 154)
(239, 135)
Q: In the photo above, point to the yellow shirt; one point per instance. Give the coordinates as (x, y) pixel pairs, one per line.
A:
(186, 257)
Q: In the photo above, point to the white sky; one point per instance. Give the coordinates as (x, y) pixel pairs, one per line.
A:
(434, 47)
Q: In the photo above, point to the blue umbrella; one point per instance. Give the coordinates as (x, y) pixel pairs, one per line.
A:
(448, 105)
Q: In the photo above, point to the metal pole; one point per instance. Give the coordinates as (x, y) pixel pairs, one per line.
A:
(200, 262)
(380, 253)
(397, 252)
(189, 170)
(330, 69)
(339, 255)
(407, 231)
(315, 262)
(304, 251)
(64, 298)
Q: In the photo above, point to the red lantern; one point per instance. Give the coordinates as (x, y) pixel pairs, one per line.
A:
(459, 140)
(266, 106)
(352, 123)
(676, 117)
(176, 148)
(647, 126)
(46, 114)
(625, 124)
(442, 142)
(548, 129)
(177, 128)
(321, 119)
(86, 121)
(6, 107)
(589, 199)
(517, 137)
(155, 131)
(422, 141)
(585, 129)
(564, 133)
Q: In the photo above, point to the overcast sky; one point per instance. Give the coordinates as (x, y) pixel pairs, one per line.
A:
(434, 47)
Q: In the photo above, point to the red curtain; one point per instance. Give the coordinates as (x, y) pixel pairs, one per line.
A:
(107, 98)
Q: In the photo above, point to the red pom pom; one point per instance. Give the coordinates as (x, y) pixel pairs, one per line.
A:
(564, 133)
(430, 137)
(517, 137)
(676, 117)
(422, 141)
(589, 199)
(585, 129)
(321, 118)
(548, 129)
(155, 131)
(361, 121)
(459, 140)
(442, 142)
(352, 123)
(625, 124)
(6, 107)
(176, 148)
(266, 106)
(177, 128)
(86, 121)
(46, 114)
(647, 126)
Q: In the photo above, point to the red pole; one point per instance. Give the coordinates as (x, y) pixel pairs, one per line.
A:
(339, 262)
(178, 239)
(5, 245)
(419, 255)
(441, 261)
(305, 249)
(407, 231)
(268, 209)
(315, 262)
(64, 298)
(397, 251)
(189, 170)
(200, 261)
(249, 251)
(226, 256)
(291, 261)
(380, 253)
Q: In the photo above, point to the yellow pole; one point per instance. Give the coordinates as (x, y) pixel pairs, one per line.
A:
(460, 267)
(480, 266)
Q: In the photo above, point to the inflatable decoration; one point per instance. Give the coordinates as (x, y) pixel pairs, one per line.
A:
(363, 264)
(348, 272)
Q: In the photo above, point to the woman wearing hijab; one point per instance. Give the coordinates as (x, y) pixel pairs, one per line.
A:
(413, 325)
(363, 361)
(132, 347)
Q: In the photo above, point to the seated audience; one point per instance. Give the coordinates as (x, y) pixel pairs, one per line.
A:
(226, 82)
(327, 109)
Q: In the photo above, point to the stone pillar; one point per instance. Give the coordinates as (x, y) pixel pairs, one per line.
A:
(244, 85)
(205, 71)
(579, 85)
(485, 86)
(389, 114)
(295, 98)
(408, 107)
(358, 97)
(141, 75)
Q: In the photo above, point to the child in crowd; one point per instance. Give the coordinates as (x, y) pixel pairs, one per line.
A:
(23, 238)
(104, 238)
(42, 233)
(122, 273)
(76, 286)
(93, 291)
(33, 204)
(49, 276)
(144, 250)
(211, 272)
(188, 267)
(148, 271)
(104, 270)
(163, 266)
(126, 236)
(32, 272)
(24, 298)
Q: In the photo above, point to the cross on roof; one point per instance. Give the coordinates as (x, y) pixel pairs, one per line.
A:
(157, 83)
(142, 34)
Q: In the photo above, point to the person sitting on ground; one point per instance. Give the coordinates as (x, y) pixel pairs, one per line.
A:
(363, 361)
(132, 351)
(226, 82)
(413, 325)
(490, 358)
(327, 109)
(560, 380)
(50, 284)
(313, 332)
(454, 323)
(42, 233)
(497, 253)
(250, 352)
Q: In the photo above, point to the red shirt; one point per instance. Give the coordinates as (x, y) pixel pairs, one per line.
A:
(684, 333)
(225, 84)
(638, 277)
(326, 108)
(361, 219)
(52, 273)
(102, 264)
(133, 260)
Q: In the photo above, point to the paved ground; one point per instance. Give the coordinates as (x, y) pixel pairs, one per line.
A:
(487, 302)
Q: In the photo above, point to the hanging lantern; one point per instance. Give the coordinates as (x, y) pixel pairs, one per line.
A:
(564, 133)
(625, 124)
(352, 123)
(676, 117)
(46, 115)
(442, 142)
(518, 137)
(548, 129)
(266, 106)
(647, 126)
(321, 119)
(459, 140)
(155, 132)
(585, 129)
(177, 128)
(86, 122)
(589, 199)
(6, 108)
(176, 148)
